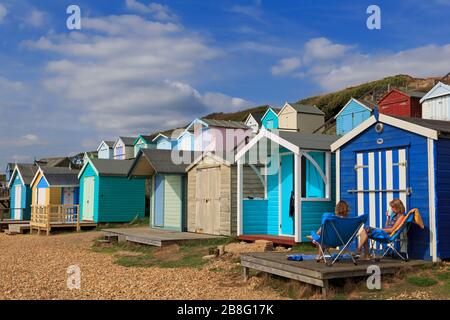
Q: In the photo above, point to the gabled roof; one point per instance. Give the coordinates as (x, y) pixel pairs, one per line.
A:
(293, 141)
(432, 129)
(52, 162)
(58, 177)
(109, 143)
(363, 103)
(225, 124)
(26, 171)
(107, 167)
(255, 115)
(409, 93)
(161, 161)
(127, 141)
(220, 158)
(303, 108)
(270, 109)
(147, 138)
(439, 90)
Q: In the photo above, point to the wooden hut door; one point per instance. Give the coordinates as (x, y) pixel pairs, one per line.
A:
(381, 176)
(207, 200)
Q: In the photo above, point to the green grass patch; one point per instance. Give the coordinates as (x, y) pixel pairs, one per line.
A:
(421, 281)
(304, 247)
(443, 276)
(185, 255)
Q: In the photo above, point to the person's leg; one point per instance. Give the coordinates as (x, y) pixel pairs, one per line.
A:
(363, 242)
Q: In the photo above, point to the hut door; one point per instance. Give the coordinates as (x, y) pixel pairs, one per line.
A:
(88, 198)
(207, 200)
(17, 202)
(287, 187)
(159, 201)
(41, 194)
(381, 176)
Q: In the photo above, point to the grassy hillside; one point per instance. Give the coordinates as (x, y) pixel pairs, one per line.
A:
(331, 103)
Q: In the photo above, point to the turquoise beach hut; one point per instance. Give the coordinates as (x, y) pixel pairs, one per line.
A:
(298, 172)
(20, 190)
(106, 193)
(270, 119)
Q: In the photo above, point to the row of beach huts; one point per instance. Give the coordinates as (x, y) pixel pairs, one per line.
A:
(269, 176)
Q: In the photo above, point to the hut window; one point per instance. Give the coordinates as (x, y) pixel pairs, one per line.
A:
(313, 185)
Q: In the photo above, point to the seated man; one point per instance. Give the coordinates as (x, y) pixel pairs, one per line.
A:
(395, 218)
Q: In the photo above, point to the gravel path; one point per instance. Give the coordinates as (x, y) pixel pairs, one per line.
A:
(34, 267)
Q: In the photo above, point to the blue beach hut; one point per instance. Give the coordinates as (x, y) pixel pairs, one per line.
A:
(388, 157)
(20, 190)
(352, 115)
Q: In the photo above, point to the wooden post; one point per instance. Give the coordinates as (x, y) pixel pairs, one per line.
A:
(246, 273)
(48, 219)
(240, 193)
(325, 288)
(78, 218)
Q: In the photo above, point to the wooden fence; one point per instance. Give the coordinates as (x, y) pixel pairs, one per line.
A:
(44, 217)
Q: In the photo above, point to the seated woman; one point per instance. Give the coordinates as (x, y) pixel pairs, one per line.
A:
(399, 214)
(341, 210)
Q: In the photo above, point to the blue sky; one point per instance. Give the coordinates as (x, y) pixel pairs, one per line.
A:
(138, 66)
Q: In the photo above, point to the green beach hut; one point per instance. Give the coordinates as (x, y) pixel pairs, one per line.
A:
(106, 193)
(168, 189)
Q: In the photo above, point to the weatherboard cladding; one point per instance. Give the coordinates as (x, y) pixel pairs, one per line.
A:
(442, 181)
(25, 198)
(351, 116)
(394, 139)
(116, 198)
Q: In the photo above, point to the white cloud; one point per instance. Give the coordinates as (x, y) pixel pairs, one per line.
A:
(324, 49)
(3, 12)
(36, 18)
(158, 11)
(286, 65)
(128, 75)
(334, 66)
(253, 11)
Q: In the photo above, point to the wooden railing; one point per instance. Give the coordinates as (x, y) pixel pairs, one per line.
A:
(5, 214)
(43, 217)
(4, 193)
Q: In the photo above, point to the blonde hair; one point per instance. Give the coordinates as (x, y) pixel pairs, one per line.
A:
(398, 205)
(342, 209)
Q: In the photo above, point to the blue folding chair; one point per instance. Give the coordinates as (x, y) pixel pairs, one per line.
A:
(391, 241)
(337, 232)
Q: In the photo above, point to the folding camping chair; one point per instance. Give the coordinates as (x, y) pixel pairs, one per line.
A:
(394, 238)
(337, 232)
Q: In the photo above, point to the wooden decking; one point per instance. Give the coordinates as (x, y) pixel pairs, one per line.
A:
(280, 240)
(317, 273)
(45, 218)
(155, 237)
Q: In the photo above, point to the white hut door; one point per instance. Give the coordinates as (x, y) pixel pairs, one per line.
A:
(88, 198)
(17, 202)
(41, 194)
(381, 176)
